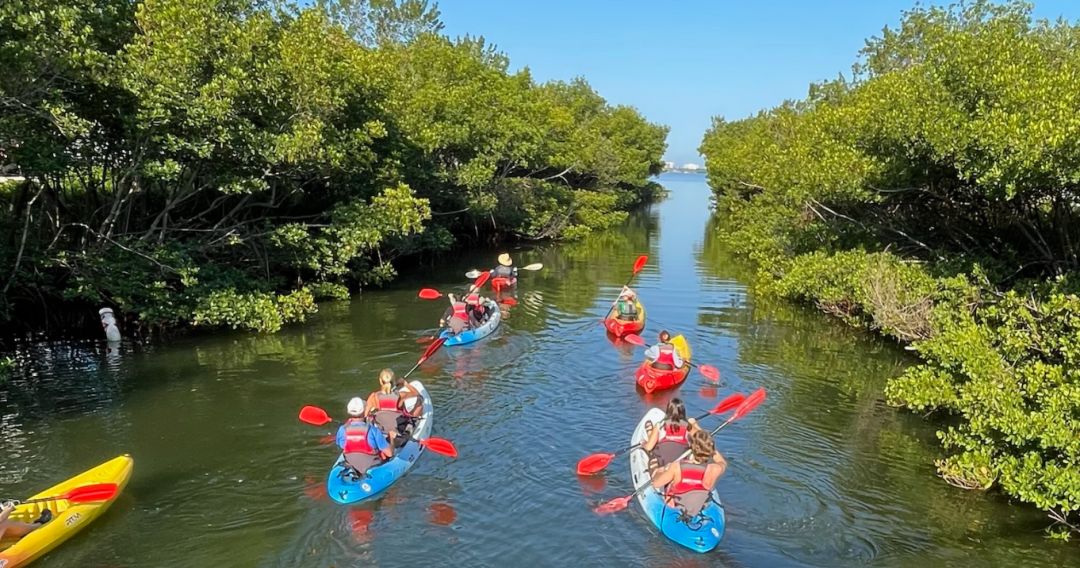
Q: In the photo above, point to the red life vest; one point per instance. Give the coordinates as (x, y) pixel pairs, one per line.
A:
(387, 401)
(473, 299)
(675, 432)
(356, 433)
(693, 478)
(459, 311)
(666, 356)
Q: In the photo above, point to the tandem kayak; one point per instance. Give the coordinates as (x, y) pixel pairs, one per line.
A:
(701, 533)
(652, 380)
(471, 335)
(67, 518)
(619, 327)
(345, 486)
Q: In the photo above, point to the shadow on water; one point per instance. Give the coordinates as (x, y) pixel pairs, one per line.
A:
(823, 474)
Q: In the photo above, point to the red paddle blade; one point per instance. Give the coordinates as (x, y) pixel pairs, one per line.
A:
(634, 339)
(429, 294)
(432, 348)
(710, 372)
(640, 263)
(593, 463)
(749, 404)
(481, 280)
(614, 506)
(91, 493)
(508, 301)
(314, 415)
(440, 446)
(728, 403)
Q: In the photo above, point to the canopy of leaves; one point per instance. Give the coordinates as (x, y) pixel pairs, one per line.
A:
(207, 161)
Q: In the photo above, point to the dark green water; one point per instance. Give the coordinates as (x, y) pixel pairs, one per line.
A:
(823, 474)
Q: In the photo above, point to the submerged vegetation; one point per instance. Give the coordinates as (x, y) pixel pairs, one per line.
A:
(230, 162)
(935, 197)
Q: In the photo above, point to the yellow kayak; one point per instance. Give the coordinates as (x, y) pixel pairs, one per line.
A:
(68, 518)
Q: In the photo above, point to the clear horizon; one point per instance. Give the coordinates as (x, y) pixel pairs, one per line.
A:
(683, 65)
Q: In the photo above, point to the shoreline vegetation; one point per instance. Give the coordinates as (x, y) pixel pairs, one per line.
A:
(231, 162)
(934, 197)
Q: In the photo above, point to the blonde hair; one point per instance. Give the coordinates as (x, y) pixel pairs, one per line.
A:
(701, 445)
(386, 377)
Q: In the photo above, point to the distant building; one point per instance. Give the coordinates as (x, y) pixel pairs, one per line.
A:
(668, 166)
(691, 167)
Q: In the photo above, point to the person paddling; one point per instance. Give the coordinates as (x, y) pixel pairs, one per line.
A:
(666, 443)
(626, 305)
(663, 355)
(505, 269)
(478, 312)
(362, 442)
(17, 529)
(456, 317)
(387, 407)
(687, 484)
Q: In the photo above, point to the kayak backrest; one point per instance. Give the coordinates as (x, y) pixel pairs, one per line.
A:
(681, 347)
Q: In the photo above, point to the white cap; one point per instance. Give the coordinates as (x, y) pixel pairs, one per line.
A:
(356, 406)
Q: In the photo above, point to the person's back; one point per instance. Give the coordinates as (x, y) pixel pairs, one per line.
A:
(363, 445)
(688, 483)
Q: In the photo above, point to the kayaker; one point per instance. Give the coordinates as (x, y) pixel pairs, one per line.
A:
(387, 407)
(663, 355)
(689, 482)
(478, 312)
(456, 317)
(505, 269)
(18, 529)
(362, 442)
(671, 439)
(626, 306)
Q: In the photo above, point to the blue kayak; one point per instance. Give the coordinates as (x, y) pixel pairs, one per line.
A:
(471, 335)
(345, 486)
(701, 533)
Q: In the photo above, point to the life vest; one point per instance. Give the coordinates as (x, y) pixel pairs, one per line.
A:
(387, 402)
(674, 432)
(693, 478)
(473, 299)
(666, 356)
(459, 311)
(356, 437)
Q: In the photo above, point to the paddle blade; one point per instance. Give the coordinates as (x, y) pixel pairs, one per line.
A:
(710, 372)
(728, 403)
(440, 446)
(92, 493)
(314, 415)
(482, 280)
(533, 267)
(640, 263)
(432, 349)
(474, 273)
(749, 404)
(614, 506)
(508, 301)
(593, 463)
(634, 339)
(429, 294)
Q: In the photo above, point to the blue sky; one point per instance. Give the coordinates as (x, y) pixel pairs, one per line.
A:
(683, 62)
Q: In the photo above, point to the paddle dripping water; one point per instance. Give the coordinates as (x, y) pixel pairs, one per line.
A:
(821, 474)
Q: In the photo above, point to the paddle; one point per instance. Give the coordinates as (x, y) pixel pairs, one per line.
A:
(474, 273)
(638, 265)
(619, 503)
(708, 371)
(83, 494)
(433, 294)
(595, 463)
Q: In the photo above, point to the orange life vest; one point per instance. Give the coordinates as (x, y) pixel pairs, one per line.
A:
(459, 311)
(675, 432)
(387, 401)
(356, 433)
(693, 478)
(666, 356)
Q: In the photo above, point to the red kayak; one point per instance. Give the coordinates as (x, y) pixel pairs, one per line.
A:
(621, 328)
(500, 283)
(651, 380)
